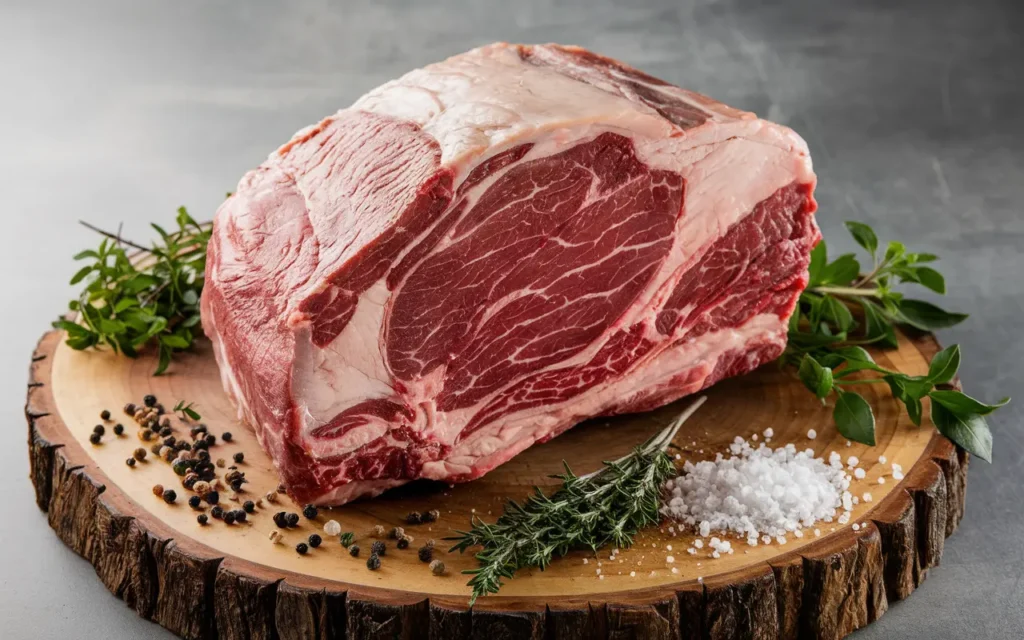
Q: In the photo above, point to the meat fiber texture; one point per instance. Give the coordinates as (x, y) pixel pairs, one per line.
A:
(475, 257)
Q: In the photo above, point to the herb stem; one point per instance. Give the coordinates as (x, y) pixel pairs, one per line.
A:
(115, 237)
(848, 291)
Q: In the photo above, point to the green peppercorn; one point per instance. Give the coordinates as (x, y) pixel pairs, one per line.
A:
(104, 415)
(347, 539)
(301, 548)
(118, 429)
(315, 541)
(130, 462)
(180, 467)
(202, 519)
(373, 563)
(226, 436)
(354, 551)
(379, 548)
(310, 512)
(426, 554)
(95, 438)
(170, 496)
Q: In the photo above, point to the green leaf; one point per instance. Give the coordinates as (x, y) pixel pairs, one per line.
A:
(926, 316)
(815, 377)
(894, 251)
(165, 361)
(819, 256)
(864, 236)
(190, 297)
(963, 404)
(921, 258)
(843, 271)
(73, 328)
(944, 365)
(970, 431)
(877, 326)
(931, 278)
(175, 341)
(88, 253)
(81, 274)
(854, 418)
(124, 304)
(837, 313)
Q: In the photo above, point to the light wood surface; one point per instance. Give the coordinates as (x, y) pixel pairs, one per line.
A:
(825, 586)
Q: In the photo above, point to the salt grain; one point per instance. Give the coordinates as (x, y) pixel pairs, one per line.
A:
(859, 474)
(881, 480)
(882, 460)
(811, 434)
(867, 497)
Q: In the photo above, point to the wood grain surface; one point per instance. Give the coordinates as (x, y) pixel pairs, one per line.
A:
(232, 582)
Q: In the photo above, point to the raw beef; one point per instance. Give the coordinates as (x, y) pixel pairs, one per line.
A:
(475, 257)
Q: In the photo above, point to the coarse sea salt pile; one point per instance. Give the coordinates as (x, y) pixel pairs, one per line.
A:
(759, 493)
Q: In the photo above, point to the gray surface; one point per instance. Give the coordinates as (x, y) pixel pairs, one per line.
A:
(122, 111)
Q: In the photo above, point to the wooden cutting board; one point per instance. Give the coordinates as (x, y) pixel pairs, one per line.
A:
(232, 582)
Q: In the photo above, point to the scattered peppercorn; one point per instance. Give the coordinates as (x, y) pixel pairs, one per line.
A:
(397, 533)
(170, 496)
(379, 548)
(240, 515)
(426, 554)
(212, 497)
(414, 518)
(118, 429)
(437, 568)
(100, 429)
(150, 400)
(301, 548)
(95, 438)
(202, 519)
(139, 454)
(158, 490)
(238, 457)
(431, 516)
(236, 485)
(347, 539)
(403, 543)
(167, 453)
(378, 531)
(105, 415)
(429, 543)
(180, 467)
(203, 455)
(292, 519)
(201, 444)
(373, 563)
(146, 435)
(217, 512)
(315, 540)
(249, 506)
(309, 511)
(354, 551)
(130, 409)
(226, 436)
(210, 439)
(195, 502)
(271, 497)
(130, 462)
(229, 517)
(165, 432)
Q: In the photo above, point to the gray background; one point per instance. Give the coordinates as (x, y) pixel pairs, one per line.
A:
(121, 111)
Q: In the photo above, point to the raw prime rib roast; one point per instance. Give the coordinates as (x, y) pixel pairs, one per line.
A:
(475, 257)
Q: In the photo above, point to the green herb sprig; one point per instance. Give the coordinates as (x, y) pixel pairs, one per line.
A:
(128, 303)
(826, 338)
(587, 512)
(187, 411)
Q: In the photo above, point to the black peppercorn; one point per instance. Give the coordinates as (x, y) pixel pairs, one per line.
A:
(373, 562)
(170, 496)
(118, 429)
(229, 517)
(414, 518)
(238, 457)
(236, 485)
(155, 449)
(379, 548)
(240, 515)
(315, 540)
(301, 548)
(130, 462)
(403, 543)
(210, 439)
(195, 502)
(217, 512)
(310, 512)
(104, 415)
(426, 554)
(100, 429)
(189, 482)
(354, 551)
(200, 444)
(226, 436)
(202, 519)
(95, 438)
(212, 497)
(204, 455)
(281, 520)
(249, 506)
(150, 400)
(130, 409)
(165, 432)
(292, 519)
(430, 516)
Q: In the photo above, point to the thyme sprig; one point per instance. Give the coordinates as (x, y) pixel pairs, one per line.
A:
(841, 310)
(154, 298)
(588, 512)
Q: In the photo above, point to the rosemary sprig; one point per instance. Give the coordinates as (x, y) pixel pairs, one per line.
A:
(588, 512)
(187, 411)
(825, 339)
(127, 304)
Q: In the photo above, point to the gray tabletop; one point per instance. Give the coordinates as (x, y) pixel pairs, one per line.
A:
(120, 111)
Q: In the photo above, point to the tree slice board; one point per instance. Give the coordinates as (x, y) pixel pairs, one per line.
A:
(232, 582)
